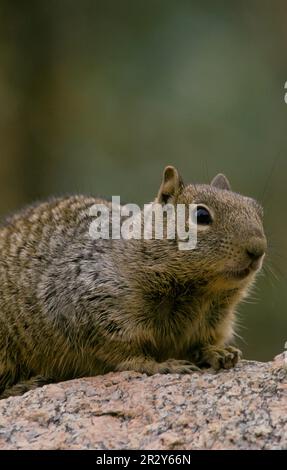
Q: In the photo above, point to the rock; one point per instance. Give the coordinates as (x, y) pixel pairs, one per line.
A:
(244, 408)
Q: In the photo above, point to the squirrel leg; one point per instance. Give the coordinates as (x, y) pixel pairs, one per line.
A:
(220, 357)
(23, 387)
(150, 367)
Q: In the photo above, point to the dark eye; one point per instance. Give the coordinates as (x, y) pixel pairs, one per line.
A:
(203, 216)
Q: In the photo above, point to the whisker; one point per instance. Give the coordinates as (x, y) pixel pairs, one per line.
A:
(269, 177)
(272, 270)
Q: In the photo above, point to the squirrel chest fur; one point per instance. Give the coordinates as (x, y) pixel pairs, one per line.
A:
(72, 306)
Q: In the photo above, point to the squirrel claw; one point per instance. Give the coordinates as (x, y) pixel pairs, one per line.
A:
(177, 366)
(221, 358)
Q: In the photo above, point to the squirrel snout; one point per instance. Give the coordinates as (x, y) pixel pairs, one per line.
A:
(256, 248)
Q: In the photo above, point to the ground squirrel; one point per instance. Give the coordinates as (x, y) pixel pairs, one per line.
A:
(72, 306)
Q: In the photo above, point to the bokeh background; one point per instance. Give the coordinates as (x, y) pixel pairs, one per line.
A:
(98, 96)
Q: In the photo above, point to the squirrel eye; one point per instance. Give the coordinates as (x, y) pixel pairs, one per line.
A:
(203, 216)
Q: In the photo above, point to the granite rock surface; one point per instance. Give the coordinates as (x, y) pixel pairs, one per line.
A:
(243, 408)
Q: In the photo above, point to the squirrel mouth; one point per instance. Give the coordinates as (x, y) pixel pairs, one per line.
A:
(242, 273)
(239, 274)
(252, 268)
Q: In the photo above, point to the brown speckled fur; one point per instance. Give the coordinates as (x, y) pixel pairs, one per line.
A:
(71, 306)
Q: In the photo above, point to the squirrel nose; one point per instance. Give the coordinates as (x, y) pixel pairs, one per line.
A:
(256, 248)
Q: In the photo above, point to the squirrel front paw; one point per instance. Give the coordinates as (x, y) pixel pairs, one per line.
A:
(221, 358)
(151, 367)
(176, 366)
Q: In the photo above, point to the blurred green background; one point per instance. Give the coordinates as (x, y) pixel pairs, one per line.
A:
(98, 96)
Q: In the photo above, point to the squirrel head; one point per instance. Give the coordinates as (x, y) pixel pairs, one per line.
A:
(231, 242)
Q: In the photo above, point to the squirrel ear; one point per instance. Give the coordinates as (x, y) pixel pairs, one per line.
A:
(171, 184)
(221, 182)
